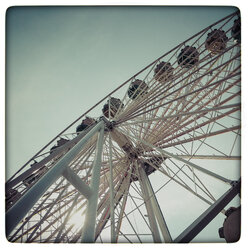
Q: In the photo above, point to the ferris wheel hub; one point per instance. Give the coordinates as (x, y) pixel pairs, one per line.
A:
(109, 125)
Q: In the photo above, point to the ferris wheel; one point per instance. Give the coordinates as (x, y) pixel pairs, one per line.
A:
(158, 165)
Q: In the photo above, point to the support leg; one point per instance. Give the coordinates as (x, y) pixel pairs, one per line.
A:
(111, 199)
(156, 208)
(21, 208)
(149, 207)
(88, 235)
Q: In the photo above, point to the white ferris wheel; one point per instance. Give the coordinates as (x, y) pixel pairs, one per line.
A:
(175, 134)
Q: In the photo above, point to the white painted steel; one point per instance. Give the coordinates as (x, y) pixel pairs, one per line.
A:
(21, 208)
(155, 206)
(150, 211)
(88, 234)
(77, 182)
(210, 173)
(174, 119)
(111, 188)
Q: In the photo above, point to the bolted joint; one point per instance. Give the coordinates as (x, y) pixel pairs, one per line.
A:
(234, 183)
(109, 125)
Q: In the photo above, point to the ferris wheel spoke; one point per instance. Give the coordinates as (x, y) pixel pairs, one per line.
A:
(134, 114)
(194, 128)
(198, 134)
(63, 228)
(142, 215)
(202, 137)
(123, 204)
(125, 236)
(120, 191)
(182, 184)
(37, 209)
(44, 218)
(131, 225)
(184, 161)
(164, 118)
(67, 217)
(180, 169)
(197, 156)
(158, 90)
(174, 177)
(51, 223)
(191, 93)
(234, 142)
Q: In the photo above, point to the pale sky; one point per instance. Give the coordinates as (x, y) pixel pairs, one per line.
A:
(61, 61)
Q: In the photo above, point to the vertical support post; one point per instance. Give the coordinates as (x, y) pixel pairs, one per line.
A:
(88, 234)
(170, 155)
(111, 199)
(150, 212)
(156, 208)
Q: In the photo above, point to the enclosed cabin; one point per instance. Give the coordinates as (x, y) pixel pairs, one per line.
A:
(156, 161)
(188, 57)
(150, 165)
(216, 41)
(137, 88)
(60, 142)
(111, 107)
(28, 181)
(11, 196)
(236, 30)
(87, 122)
(230, 230)
(163, 72)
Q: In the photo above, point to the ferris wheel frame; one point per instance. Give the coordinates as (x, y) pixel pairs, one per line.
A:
(120, 123)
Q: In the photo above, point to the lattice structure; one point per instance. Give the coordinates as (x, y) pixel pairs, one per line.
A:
(165, 134)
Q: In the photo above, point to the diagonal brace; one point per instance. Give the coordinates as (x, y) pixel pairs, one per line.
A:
(77, 182)
(200, 223)
(15, 214)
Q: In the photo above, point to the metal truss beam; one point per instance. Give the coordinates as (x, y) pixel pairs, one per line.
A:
(149, 207)
(15, 214)
(77, 182)
(155, 206)
(88, 234)
(202, 221)
(11, 183)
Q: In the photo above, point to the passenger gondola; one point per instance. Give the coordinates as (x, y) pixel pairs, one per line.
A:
(136, 89)
(111, 107)
(188, 57)
(216, 41)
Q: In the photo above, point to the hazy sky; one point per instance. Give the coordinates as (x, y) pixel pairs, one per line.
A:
(62, 60)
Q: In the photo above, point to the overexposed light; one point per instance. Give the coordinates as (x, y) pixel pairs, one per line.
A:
(77, 219)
